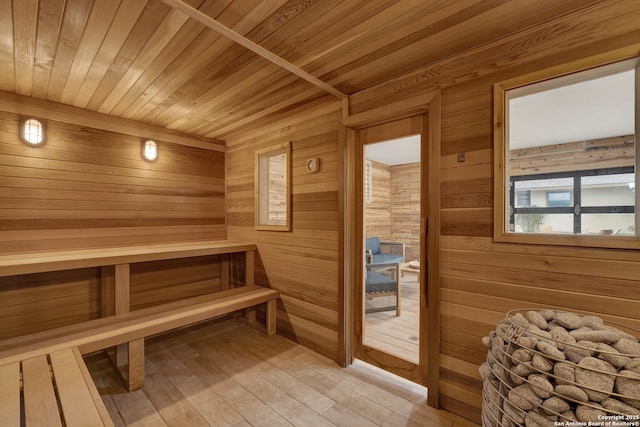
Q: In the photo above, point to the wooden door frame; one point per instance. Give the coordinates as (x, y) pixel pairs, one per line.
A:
(429, 104)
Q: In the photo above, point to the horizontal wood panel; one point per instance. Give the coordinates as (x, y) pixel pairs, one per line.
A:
(302, 264)
(94, 180)
(38, 302)
(481, 279)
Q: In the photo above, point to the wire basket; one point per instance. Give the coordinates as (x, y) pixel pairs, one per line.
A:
(557, 368)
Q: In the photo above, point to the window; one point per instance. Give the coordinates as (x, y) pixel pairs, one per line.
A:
(566, 157)
(368, 181)
(273, 194)
(558, 199)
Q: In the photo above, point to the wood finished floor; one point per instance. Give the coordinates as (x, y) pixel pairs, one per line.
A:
(397, 335)
(228, 374)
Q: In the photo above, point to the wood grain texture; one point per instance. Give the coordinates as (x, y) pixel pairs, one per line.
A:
(481, 279)
(378, 211)
(162, 64)
(96, 183)
(76, 401)
(40, 404)
(10, 393)
(225, 373)
(405, 208)
(302, 264)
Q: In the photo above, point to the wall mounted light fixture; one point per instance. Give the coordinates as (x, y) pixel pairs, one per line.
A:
(32, 132)
(149, 150)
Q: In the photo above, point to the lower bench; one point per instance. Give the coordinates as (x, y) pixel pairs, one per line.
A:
(56, 390)
(128, 330)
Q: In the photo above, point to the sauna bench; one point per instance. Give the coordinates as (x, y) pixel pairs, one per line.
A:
(39, 262)
(127, 329)
(50, 389)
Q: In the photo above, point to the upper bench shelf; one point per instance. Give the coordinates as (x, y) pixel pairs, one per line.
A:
(38, 262)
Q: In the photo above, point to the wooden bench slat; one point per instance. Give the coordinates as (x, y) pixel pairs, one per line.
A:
(101, 333)
(26, 263)
(40, 404)
(78, 407)
(95, 395)
(10, 394)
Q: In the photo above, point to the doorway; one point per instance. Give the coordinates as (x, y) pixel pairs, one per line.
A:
(391, 226)
(426, 108)
(390, 313)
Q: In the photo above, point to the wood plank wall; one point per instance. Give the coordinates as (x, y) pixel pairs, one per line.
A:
(405, 208)
(302, 264)
(378, 211)
(480, 279)
(87, 188)
(91, 188)
(394, 211)
(601, 153)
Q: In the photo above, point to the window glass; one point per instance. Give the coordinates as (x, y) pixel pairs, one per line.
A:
(569, 154)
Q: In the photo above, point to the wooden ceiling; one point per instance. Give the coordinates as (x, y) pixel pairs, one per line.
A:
(149, 61)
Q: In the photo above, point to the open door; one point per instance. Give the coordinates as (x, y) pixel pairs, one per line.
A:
(389, 298)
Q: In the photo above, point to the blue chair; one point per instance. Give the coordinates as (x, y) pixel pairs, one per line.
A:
(382, 285)
(383, 252)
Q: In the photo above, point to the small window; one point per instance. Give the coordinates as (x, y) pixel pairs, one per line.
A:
(368, 181)
(566, 157)
(273, 192)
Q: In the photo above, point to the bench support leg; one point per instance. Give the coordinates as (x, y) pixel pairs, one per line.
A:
(128, 360)
(270, 321)
(270, 317)
(250, 315)
(135, 372)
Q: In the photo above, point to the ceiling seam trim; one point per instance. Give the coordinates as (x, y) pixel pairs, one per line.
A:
(254, 47)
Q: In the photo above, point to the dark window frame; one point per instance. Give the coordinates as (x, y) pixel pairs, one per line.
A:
(577, 210)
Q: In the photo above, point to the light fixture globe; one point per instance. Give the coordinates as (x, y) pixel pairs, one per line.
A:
(32, 132)
(149, 150)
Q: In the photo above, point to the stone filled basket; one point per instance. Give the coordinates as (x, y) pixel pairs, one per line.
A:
(545, 366)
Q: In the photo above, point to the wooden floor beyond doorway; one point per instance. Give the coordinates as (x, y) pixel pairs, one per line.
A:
(397, 335)
(228, 374)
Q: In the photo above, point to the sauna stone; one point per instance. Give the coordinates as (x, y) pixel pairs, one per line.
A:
(541, 386)
(612, 355)
(627, 346)
(560, 334)
(593, 322)
(555, 405)
(548, 366)
(536, 318)
(572, 392)
(618, 406)
(628, 385)
(519, 373)
(632, 365)
(565, 373)
(580, 350)
(523, 397)
(591, 412)
(596, 336)
(550, 350)
(522, 355)
(568, 320)
(590, 380)
(541, 363)
(534, 419)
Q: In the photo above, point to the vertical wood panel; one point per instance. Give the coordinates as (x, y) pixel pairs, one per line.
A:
(405, 208)
(378, 211)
